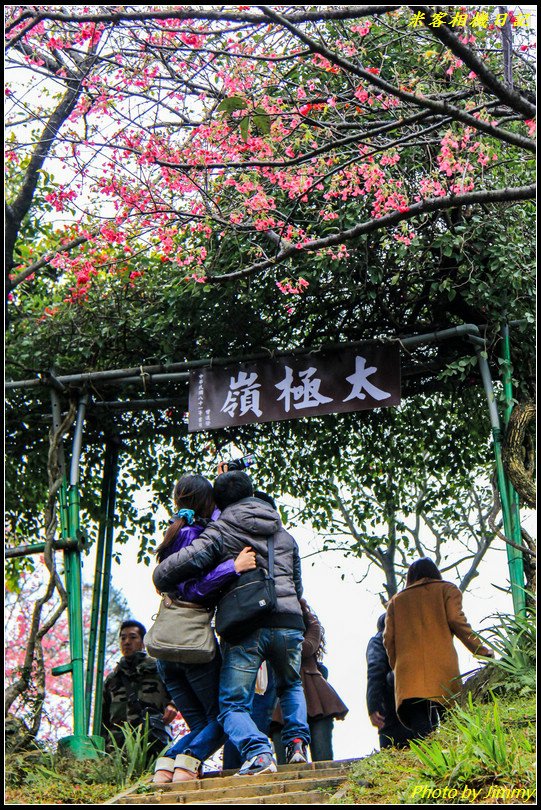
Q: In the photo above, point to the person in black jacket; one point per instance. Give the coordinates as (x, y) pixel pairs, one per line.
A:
(380, 693)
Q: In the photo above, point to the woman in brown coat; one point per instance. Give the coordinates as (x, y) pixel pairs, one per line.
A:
(323, 704)
(420, 625)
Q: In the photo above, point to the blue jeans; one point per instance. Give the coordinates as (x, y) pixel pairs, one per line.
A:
(194, 691)
(281, 647)
(261, 713)
(320, 744)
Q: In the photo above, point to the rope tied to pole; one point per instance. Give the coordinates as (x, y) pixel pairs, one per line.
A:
(145, 376)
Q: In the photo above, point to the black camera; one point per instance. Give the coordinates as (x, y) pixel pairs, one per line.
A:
(240, 463)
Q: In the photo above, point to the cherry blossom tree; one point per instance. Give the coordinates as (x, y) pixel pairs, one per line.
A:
(300, 131)
(45, 706)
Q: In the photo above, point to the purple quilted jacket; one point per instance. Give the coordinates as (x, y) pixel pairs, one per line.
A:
(205, 588)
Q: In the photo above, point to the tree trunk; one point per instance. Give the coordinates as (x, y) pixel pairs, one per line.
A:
(514, 452)
(31, 672)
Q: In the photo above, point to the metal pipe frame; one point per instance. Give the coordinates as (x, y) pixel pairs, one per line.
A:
(511, 521)
(113, 450)
(514, 556)
(69, 498)
(142, 404)
(97, 586)
(39, 548)
(172, 371)
(73, 572)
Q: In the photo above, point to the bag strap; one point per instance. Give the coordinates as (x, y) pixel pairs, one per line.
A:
(271, 556)
(170, 601)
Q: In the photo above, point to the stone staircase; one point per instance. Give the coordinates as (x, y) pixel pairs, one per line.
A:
(309, 783)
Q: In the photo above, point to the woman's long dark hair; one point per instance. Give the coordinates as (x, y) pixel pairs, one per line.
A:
(308, 613)
(190, 492)
(422, 568)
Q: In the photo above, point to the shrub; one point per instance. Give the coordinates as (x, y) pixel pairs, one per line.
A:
(131, 759)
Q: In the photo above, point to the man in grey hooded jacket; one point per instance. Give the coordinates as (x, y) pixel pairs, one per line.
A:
(248, 521)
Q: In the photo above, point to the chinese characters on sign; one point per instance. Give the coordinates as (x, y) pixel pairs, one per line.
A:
(479, 19)
(293, 386)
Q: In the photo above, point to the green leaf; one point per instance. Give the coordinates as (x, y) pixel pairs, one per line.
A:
(244, 128)
(262, 122)
(232, 104)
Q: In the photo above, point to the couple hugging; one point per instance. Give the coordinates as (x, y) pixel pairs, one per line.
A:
(203, 552)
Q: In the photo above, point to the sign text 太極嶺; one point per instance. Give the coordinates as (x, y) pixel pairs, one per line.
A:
(292, 386)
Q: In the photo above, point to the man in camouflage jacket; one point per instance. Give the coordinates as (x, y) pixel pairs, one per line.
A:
(134, 689)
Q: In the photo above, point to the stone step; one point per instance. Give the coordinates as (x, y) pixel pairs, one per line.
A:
(243, 788)
(225, 787)
(302, 797)
(284, 772)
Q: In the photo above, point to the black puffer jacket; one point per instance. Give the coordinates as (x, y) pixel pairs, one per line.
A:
(380, 682)
(249, 522)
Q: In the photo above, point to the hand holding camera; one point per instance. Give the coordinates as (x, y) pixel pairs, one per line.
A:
(236, 464)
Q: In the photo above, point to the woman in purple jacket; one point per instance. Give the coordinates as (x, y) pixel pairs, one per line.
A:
(194, 687)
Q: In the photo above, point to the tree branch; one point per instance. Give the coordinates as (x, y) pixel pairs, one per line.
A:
(502, 91)
(191, 13)
(417, 209)
(18, 209)
(442, 107)
(20, 277)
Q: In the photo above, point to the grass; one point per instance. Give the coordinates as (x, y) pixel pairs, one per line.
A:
(487, 748)
(41, 776)
(479, 753)
(476, 756)
(35, 777)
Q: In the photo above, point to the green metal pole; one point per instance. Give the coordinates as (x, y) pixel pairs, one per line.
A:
(514, 555)
(96, 588)
(112, 451)
(79, 744)
(517, 588)
(39, 548)
(73, 572)
(63, 504)
(63, 499)
(64, 512)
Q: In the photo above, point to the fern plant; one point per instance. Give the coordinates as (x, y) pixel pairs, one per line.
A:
(513, 640)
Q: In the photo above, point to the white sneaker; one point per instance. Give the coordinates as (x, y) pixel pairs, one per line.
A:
(261, 763)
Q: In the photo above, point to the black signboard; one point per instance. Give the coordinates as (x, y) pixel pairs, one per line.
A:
(292, 386)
